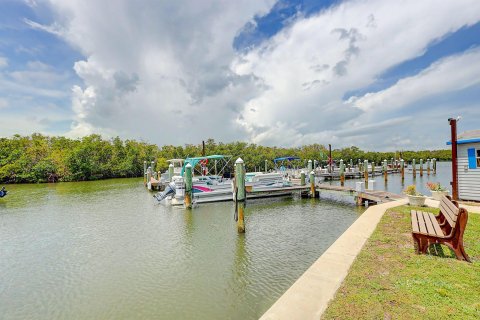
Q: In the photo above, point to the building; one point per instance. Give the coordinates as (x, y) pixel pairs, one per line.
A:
(468, 164)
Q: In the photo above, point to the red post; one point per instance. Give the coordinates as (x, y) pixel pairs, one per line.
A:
(454, 183)
(330, 160)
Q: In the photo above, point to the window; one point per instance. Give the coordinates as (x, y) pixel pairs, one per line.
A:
(473, 158)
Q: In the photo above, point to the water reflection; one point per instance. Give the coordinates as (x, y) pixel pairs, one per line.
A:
(104, 250)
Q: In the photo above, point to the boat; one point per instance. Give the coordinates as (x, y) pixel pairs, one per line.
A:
(205, 187)
(3, 192)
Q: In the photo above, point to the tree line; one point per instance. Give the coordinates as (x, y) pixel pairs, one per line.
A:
(40, 158)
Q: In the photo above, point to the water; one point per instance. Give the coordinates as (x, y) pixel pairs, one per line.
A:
(97, 250)
(395, 185)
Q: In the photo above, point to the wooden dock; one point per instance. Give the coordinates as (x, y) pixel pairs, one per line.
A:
(370, 196)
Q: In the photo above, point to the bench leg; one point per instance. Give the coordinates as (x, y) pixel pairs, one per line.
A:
(459, 251)
(416, 244)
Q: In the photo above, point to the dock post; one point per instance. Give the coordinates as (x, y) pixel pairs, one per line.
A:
(240, 195)
(302, 178)
(393, 163)
(170, 172)
(309, 167)
(342, 173)
(215, 166)
(153, 166)
(315, 164)
(144, 172)
(421, 167)
(428, 167)
(188, 186)
(149, 174)
(434, 166)
(351, 164)
(385, 169)
(312, 184)
(266, 166)
(365, 172)
(402, 168)
(414, 168)
(359, 166)
(373, 169)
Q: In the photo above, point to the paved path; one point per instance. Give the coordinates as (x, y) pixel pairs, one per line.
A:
(308, 297)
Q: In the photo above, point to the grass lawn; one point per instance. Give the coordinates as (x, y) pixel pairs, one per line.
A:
(389, 281)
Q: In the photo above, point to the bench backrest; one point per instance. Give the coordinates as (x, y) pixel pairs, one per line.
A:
(455, 217)
(450, 210)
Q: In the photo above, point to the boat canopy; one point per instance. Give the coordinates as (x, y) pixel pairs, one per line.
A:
(285, 158)
(194, 161)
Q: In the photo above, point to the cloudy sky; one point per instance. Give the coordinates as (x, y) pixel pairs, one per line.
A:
(379, 74)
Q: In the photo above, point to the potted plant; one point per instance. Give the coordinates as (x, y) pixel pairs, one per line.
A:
(437, 190)
(414, 198)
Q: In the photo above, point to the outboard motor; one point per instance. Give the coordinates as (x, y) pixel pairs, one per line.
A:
(169, 189)
(3, 192)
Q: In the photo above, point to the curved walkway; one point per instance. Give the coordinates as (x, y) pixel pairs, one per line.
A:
(309, 296)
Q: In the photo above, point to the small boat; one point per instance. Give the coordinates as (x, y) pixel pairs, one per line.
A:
(205, 187)
(3, 192)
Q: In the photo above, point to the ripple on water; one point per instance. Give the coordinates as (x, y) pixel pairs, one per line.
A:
(105, 250)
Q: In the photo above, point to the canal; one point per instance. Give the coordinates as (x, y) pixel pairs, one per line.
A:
(104, 249)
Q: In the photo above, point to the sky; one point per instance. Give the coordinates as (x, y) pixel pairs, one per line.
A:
(382, 75)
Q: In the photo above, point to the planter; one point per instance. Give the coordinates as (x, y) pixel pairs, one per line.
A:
(437, 195)
(418, 201)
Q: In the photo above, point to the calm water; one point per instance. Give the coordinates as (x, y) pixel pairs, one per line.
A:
(105, 250)
(395, 185)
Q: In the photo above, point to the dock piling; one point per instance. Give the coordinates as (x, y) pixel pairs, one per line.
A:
(342, 173)
(144, 172)
(428, 167)
(266, 166)
(421, 167)
(402, 169)
(188, 186)
(414, 169)
(240, 195)
(312, 184)
(434, 166)
(385, 169)
(170, 172)
(302, 178)
(365, 172)
(309, 166)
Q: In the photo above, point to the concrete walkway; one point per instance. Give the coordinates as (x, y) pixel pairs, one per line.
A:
(309, 296)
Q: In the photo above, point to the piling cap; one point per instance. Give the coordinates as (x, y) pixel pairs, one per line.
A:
(309, 160)
(188, 165)
(313, 172)
(302, 172)
(239, 160)
(171, 165)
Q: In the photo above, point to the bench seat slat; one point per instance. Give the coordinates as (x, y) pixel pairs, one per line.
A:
(414, 221)
(421, 222)
(435, 224)
(428, 224)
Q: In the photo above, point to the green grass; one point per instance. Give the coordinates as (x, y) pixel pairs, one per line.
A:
(389, 281)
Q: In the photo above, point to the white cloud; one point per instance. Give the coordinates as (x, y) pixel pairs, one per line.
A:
(450, 74)
(309, 67)
(159, 70)
(3, 62)
(3, 103)
(167, 72)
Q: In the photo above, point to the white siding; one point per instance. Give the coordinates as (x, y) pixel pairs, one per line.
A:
(468, 179)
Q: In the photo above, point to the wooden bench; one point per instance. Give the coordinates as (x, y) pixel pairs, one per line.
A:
(445, 228)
